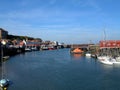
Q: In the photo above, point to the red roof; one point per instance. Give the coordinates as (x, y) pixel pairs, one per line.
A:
(110, 44)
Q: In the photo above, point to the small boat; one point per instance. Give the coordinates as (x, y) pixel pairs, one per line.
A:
(4, 83)
(106, 62)
(6, 58)
(34, 48)
(28, 49)
(44, 48)
(93, 55)
(76, 51)
(88, 55)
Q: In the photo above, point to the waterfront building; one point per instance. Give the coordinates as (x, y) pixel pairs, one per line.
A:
(110, 44)
(3, 34)
(110, 47)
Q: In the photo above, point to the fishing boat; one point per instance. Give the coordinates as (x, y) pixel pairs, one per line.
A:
(105, 56)
(108, 60)
(105, 60)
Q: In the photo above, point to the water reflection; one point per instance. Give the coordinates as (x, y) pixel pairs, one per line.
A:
(54, 70)
(108, 67)
(76, 56)
(116, 65)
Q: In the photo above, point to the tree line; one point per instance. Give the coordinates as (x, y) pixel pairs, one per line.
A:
(13, 37)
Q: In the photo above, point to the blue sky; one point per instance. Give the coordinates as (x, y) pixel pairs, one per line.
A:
(67, 21)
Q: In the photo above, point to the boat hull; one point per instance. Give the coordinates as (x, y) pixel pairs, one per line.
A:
(88, 55)
(107, 62)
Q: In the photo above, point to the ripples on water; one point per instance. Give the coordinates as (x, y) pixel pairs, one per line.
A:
(59, 70)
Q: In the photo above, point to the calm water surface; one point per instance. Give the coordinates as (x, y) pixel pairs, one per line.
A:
(58, 70)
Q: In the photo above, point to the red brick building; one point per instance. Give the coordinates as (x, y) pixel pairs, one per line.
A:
(110, 44)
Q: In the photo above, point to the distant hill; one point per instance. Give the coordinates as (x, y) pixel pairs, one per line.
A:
(13, 37)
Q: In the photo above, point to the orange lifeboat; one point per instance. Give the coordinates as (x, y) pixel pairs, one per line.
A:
(77, 51)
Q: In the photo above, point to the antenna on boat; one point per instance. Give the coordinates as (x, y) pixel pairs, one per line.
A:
(104, 30)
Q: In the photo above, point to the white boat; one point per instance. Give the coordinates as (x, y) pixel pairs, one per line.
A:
(103, 57)
(93, 55)
(88, 55)
(107, 62)
(108, 58)
(116, 62)
(34, 48)
(118, 58)
(28, 49)
(6, 58)
(4, 83)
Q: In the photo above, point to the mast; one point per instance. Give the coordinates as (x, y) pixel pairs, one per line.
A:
(3, 82)
(104, 41)
(2, 62)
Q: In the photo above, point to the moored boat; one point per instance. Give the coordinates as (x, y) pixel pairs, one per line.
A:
(88, 54)
(76, 51)
(118, 58)
(4, 83)
(108, 60)
(27, 49)
(93, 55)
(6, 58)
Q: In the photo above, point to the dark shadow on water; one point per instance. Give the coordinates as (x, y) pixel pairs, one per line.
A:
(10, 83)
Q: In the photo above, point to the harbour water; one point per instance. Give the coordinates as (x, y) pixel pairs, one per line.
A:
(58, 70)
